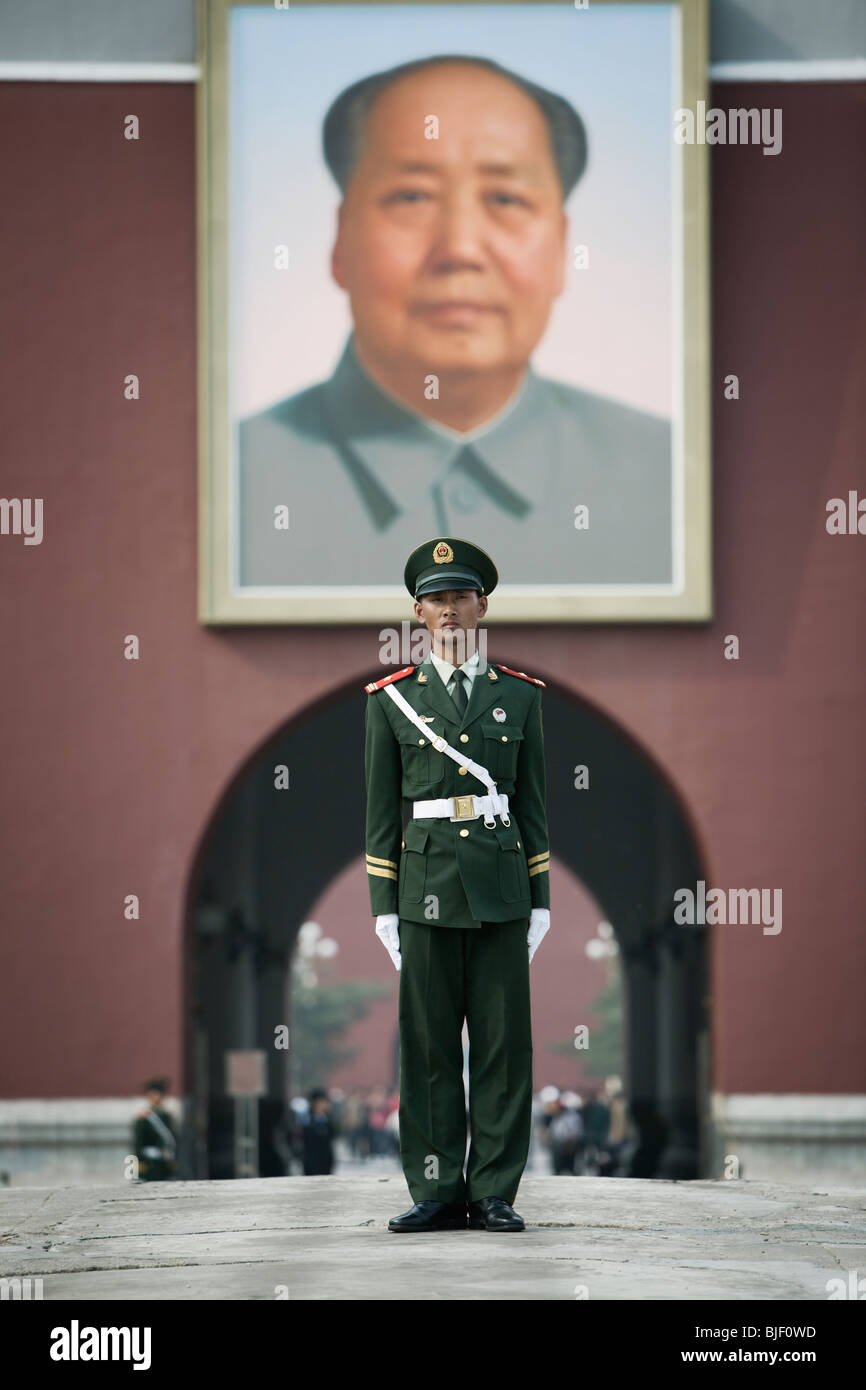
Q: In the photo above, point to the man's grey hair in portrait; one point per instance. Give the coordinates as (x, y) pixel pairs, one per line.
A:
(343, 129)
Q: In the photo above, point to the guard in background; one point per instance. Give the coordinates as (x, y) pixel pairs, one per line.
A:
(317, 1134)
(154, 1136)
(461, 897)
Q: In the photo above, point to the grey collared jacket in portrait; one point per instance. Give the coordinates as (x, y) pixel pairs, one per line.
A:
(363, 477)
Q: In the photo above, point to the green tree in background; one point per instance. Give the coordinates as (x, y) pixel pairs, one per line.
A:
(604, 1056)
(322, 1008)
(321, 1013)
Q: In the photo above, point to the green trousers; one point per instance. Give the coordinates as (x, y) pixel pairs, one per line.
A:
(448, 974)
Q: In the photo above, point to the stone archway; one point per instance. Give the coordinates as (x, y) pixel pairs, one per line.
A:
(265, 855)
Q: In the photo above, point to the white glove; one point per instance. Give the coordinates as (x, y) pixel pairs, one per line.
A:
(539, 924)
(387, 929)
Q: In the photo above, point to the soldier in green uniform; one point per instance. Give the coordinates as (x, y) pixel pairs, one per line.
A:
(154, 1137)
(461, 896)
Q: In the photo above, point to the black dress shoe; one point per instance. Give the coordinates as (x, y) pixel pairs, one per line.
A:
(431, 1216)
(494, 1214)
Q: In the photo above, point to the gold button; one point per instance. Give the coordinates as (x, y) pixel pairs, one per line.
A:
(464, 832)
(402, 844)
(422, 740)
(518, 844)
(504, 738)
(462, 771)
(464, 738)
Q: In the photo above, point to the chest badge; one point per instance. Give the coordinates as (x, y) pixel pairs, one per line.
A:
(499, 715)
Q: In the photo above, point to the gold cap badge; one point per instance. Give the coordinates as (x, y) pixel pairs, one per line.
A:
(442, 553)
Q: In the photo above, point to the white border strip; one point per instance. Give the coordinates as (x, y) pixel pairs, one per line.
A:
(790, 1117)
(73, 1120)
(800, 70)
(99, 72)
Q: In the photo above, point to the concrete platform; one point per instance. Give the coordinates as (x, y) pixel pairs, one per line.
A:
(327, 1238)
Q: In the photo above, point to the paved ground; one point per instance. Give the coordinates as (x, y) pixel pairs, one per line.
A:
(326, 1238)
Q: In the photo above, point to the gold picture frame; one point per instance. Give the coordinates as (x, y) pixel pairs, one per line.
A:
(222, 600)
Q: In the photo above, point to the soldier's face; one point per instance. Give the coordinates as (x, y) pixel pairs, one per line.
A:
(449, 616)
(452, 249)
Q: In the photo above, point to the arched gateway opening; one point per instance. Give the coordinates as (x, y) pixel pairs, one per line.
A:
(266, 855)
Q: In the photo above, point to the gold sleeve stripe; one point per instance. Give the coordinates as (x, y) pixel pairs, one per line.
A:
(536, 857)
(540, 869)
(382, 873)
(389, 863)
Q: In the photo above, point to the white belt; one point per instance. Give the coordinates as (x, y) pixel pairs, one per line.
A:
(463, 808)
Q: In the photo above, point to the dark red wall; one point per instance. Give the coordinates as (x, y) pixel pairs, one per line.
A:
(112, 768)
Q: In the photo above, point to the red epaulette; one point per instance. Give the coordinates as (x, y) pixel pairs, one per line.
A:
(522, 674)
(386, 680)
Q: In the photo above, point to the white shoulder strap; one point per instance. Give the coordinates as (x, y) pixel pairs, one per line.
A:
(162, 1128)
(443, 746)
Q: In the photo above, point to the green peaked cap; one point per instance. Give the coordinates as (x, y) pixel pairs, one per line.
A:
(448, 562)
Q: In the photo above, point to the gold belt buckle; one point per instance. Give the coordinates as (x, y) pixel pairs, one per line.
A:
(463, 807)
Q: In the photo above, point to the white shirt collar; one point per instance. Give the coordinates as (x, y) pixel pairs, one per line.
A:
(446, 669)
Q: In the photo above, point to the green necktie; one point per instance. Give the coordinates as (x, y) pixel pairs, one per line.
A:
(458, 692)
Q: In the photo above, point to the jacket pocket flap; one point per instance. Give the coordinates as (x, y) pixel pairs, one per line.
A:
(507, 836)
(416, 837)
(407, 733)
(503, 733)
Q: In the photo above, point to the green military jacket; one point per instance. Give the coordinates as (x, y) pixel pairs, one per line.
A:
(456, 873)
(147, 1138)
